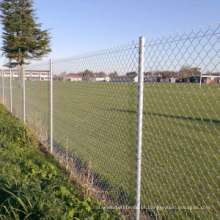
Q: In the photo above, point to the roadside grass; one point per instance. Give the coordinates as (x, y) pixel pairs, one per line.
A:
(97, 122)
(33, 185)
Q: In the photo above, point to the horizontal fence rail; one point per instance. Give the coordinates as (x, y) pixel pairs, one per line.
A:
(137, 125)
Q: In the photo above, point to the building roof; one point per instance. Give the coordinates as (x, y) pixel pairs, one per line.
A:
(211, 75)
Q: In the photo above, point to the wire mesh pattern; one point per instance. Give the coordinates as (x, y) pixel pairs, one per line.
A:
(95, 122)
(2, 87)
(17, 94)
(5, 88)
(37, 86)
(181, 125)
(37, 96)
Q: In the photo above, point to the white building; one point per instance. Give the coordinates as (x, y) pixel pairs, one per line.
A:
(29, 74)
(135, 79)
(172, 80)
(99, 79)
(124, 79)
(72, 78)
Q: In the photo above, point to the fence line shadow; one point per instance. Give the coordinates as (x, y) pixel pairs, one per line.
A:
(165, 115)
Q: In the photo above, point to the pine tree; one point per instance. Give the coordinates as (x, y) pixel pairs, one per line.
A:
(23, 39)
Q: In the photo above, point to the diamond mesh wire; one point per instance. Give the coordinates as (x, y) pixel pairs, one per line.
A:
(38, 99)
(95, 120)
(95, 113)
(181, 126)
(6, 80)
(17, 95)
(1, 86)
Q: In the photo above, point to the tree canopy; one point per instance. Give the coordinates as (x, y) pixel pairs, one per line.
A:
(23, 39)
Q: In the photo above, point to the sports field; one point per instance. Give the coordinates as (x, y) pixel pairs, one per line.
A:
(97, 123)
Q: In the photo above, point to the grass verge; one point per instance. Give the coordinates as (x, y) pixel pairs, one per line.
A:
(33, 185)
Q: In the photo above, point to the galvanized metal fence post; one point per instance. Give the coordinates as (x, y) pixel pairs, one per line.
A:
(3, 87)
(139, 127)
(51, 106)
(10, 89)
(24, 96)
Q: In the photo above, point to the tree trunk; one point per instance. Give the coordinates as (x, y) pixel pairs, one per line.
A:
(21, 75)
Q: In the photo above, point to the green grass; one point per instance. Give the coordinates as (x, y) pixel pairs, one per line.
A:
(97, 121)
(33, 185)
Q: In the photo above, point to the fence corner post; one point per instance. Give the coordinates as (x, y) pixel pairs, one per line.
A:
(51, 106)
(139, 127)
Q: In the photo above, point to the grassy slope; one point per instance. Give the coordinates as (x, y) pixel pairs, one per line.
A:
(32, 185)
(181, 132)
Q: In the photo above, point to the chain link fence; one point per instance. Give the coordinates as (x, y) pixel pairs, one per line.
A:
(17, 95)
(181, 125)
(37, 93)
(94, 131)
(94, 122)
(5, 88)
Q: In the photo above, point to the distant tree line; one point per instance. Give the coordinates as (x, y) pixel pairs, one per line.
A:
(185, 72)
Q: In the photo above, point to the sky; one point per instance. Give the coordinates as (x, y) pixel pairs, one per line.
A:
(81, 26)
